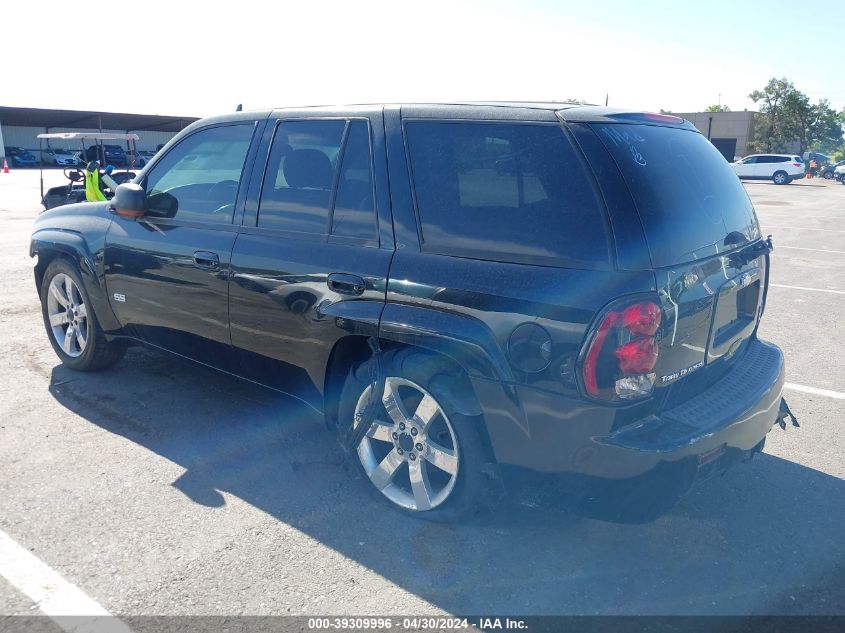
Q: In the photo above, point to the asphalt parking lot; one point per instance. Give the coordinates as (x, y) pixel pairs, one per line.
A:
(163, 488)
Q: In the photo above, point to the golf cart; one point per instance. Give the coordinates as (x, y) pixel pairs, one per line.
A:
(74, 191)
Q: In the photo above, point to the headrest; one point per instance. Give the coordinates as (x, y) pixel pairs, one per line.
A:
(308, 168)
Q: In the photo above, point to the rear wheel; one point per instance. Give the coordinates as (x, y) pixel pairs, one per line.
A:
(780, 178)
(420, 454)
(70, 321)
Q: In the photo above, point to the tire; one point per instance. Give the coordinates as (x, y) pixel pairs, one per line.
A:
(456, 489)
(781, 178)
(827, 175)
(65, 307)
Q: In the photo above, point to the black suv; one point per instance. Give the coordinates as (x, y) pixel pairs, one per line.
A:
(114, 154)
(464, 291)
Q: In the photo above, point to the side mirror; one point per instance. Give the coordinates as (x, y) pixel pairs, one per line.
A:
(129, 200)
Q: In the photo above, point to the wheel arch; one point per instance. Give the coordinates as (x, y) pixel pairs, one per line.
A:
(355, 349)
(50, 245)
(452, 382)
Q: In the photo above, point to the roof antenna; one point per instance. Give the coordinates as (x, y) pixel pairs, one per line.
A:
(606, 97)
(239, 108)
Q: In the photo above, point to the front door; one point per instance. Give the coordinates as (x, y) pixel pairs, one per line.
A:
(745, 168)
(167, 273)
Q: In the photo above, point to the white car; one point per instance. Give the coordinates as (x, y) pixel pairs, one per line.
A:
(779, 168)
(60, 157)
(839, 174)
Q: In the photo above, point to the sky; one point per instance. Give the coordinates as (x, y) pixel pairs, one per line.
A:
(201, 58)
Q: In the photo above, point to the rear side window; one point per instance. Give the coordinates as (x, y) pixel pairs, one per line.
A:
(297, 189)
(313, 178)
(503, 192)
(689, 200)
(354, 212)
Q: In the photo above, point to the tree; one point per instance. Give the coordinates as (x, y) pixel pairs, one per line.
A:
(717, 108)
(813, 125)
(788, 120)
(771, 134)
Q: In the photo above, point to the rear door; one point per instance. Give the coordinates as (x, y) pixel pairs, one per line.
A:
(311, 261)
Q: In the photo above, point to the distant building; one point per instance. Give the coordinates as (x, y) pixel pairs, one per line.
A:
(730, 132)
(20, 127)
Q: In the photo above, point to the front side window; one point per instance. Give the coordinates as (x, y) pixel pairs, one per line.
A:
(198, 179)
(503, 192)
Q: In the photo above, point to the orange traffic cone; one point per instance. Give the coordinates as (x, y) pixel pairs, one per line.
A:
(5, 166)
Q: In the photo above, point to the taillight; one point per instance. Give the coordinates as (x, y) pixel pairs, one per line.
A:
(638, 356)
(642, 318)
(623, 352)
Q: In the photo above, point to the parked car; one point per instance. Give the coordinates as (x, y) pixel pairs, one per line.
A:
(59, 157)
(827, 171)
(19, 157)
(839, 173)
(779, 168)
(463, 292)
(114, 154)
(139, 159)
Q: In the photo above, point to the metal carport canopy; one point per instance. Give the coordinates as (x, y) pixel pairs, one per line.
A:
(98, 136)
(46, 118)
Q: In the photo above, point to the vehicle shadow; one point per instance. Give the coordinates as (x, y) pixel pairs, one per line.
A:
(765, 538)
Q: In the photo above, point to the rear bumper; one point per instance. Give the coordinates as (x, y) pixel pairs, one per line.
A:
(729, 419)
(735, 413)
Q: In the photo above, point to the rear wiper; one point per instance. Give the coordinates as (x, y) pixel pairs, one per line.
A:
(751, 252)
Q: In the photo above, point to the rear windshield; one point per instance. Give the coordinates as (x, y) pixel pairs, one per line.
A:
(689, 199)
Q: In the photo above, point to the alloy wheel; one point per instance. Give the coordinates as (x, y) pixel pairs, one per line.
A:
(68, 315)
(412, 458)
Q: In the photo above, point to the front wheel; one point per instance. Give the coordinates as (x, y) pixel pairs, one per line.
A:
(70, 321)
(421, 454)
(780, 178)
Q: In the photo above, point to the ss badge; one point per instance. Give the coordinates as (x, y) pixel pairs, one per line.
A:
(119, 297)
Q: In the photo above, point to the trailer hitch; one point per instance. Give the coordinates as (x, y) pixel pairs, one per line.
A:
(784, 413)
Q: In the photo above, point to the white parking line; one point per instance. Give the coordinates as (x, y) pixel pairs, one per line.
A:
(65, 603)
(816, 250)
(836, 292)
(802, 228)
(838, 395)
